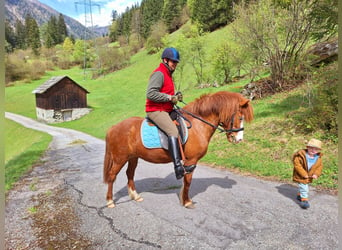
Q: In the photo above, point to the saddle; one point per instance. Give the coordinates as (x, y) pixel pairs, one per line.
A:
(154, 137)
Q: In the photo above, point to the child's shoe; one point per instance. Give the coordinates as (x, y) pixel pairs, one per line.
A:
(304, 204)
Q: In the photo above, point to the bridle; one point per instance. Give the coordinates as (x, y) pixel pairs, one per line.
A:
(220, 126)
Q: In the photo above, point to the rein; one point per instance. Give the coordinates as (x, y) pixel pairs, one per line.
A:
(222, 130)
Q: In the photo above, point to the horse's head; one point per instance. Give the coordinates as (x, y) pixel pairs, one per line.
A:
(233, 127)
(228, 109)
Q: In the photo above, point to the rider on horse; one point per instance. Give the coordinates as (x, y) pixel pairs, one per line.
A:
(161, 98)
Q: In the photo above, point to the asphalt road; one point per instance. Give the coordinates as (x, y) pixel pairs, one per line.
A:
(61, 204)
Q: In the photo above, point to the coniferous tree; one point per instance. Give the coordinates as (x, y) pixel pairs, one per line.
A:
(136, 23)
(61, 29)
(151, 11)
(52, 31)
(325, 17)
(113, 31)
(114, 15)
(171, 11)
(20, 34)
(126, 21)
(212, 14)
(32, 34)
(9, 37)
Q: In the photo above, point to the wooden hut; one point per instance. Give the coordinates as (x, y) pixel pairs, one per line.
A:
(60, 99)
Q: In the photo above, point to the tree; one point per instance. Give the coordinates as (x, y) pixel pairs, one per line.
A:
(136, 24)
(52, 37)
(68, 45)
(198, 57)
(154, 42)
(211, 14)
(151, 14)
(136, 41)
(127, 23)
(20, 35)
(113, 31)
(9, 37)
(114, 15)
(324, 15)
(79, 51)
(32, 34)
(61, 29)
(223, 63)
(274, 34)
(171, 11)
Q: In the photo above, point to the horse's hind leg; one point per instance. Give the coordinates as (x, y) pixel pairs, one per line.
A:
(115, 169)
(132, 192)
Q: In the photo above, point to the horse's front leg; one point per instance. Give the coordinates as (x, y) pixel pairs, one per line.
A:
(109, 198)
(184, 193)
(132, 192)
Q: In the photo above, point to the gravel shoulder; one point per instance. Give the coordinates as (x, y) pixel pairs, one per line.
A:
(60, 204)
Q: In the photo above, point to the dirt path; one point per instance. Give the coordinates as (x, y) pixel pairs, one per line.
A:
(60, 204)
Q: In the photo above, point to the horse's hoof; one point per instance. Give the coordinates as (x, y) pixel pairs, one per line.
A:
(110, 204)
(139, 199)
(189, 205)
(133, 194)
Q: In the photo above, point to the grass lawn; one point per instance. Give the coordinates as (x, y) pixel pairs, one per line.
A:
(23, 148)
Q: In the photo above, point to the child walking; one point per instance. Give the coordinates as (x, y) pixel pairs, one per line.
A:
(307, 165)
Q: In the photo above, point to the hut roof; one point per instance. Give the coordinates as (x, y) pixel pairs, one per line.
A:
(52, 81)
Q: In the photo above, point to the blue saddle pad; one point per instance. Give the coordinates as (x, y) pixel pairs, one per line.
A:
(153, 137)
(150, 135)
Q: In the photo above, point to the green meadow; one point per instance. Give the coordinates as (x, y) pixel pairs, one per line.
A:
(23, 148)
(269, 141)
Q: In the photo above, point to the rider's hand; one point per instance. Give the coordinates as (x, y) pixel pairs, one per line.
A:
(179, 96)
(174, 99)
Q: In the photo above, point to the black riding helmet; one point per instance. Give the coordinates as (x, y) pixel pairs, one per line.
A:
(172, 54)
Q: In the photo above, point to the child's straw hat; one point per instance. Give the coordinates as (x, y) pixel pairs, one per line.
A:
(314, 143)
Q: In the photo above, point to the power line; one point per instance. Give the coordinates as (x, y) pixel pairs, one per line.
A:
(88, 11)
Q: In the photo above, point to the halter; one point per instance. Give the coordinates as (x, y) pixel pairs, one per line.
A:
(220, 125)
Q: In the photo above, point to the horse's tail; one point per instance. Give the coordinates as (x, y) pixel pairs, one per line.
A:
(107, 164)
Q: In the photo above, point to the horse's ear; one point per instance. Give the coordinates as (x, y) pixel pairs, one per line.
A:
(244, 102)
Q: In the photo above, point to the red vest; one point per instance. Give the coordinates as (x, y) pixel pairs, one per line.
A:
(167, 88)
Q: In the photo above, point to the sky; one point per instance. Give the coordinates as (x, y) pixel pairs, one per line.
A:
(100, 10)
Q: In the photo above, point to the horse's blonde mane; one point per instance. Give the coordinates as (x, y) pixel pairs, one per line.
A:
(223, 104)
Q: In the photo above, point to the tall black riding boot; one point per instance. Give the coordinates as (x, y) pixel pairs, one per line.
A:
(176, 157)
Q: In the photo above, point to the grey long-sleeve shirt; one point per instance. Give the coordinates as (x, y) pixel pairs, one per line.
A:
(153, 89)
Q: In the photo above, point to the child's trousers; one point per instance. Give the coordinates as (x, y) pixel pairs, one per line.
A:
(303, 190)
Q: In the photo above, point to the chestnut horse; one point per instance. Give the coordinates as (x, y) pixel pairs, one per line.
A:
(223, 110)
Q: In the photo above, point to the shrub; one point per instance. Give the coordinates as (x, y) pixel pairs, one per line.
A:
(111, 59)
(16, 68)
(38, 69)
(321, 113)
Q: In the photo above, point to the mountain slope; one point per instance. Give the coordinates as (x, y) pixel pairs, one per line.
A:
(18, 9)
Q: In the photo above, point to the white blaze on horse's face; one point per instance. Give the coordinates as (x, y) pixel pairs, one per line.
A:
(239, 136)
